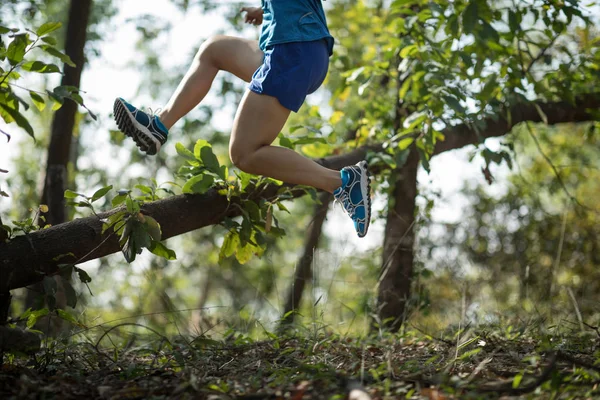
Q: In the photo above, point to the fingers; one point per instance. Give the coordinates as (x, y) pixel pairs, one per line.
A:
(251, 16)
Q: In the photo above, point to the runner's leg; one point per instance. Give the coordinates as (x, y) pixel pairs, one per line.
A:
(239, 56)
(258, 121)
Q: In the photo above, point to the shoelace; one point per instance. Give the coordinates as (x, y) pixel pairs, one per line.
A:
(154, 113)
(344, 199)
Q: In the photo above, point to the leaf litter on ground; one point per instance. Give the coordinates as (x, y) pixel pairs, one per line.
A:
(467, 364)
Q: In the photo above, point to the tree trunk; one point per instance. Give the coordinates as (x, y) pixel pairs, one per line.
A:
(397, 258)
(5, 296)
(303, 272)
(61, 136)
(61, 133)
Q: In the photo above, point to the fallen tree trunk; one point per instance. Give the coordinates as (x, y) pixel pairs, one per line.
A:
(26, 259)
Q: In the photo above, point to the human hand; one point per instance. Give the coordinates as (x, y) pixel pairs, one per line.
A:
(254, 15)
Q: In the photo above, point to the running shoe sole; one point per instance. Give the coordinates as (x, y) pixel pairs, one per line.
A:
(365, 187)
(140, 134)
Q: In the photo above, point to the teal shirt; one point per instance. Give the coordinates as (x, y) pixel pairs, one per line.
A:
(286, 21)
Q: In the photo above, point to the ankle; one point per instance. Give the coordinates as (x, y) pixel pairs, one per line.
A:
(163, 117)
(334, 182)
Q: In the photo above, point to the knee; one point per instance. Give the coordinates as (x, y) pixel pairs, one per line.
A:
(239, 157)
(207, 50)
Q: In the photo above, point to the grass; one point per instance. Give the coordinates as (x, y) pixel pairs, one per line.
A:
(130, 361)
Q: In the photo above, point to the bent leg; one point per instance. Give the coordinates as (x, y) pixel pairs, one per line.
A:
(258, 121)
(239, 56)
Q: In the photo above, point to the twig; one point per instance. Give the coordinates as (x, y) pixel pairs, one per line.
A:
(526, 388)
(541, 54)
(556, 173)
(595, 328)
(445, 341)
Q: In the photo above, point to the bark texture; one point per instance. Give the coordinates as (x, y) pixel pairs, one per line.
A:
(397, 258)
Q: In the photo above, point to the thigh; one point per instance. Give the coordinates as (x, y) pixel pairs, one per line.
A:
(241, 57)
(258, 121)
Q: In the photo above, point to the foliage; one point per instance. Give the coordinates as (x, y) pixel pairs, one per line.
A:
(247, 238)
(534, 247)
(18, 55)
(455, 62)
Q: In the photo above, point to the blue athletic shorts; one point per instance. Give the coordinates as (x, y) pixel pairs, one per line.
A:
(291, 71)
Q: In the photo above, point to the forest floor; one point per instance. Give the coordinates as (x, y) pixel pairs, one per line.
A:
(468, 364)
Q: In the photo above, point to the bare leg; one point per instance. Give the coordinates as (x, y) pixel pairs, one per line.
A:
(239, 56)
(258, 121)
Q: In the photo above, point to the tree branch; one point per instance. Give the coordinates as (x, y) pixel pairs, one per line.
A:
(26, 259)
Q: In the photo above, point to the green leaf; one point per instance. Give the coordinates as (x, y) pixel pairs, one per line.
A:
(424, 159)
(144, 189)
(408, 50)
(470, 16)
(282, 207)
(38, 100)
(118, 200)
(309, 140)
(489, 87)
(16, 49)
(185, 153)
(50, 40)
(159, 249)
(41, 67)
(47, 28)
(454, 104)
(34, 316)
(405, 143)
(141, 237)
(198, 184)
(129, 251)
(62, 314)
(58, 54)
(415, 119)
(200, 144)
(517, 380)
(18, 118)
(69, 194)
(285, 142)
(513, 21)
(405, 87)
(246, 253)
(153, 228)
(101, 193)
(229, 246)
(210, 160)
(70, 293)
(83, 276)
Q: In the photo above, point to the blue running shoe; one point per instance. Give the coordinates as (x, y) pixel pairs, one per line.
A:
(355, 195)
(146, 130)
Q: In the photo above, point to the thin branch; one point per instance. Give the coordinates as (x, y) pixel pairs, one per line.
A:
(541, 54)
(551, 164)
